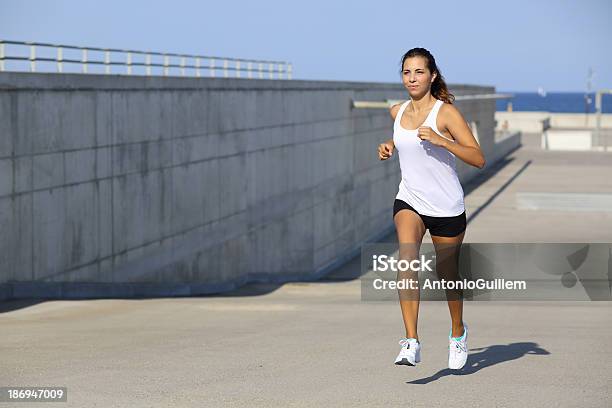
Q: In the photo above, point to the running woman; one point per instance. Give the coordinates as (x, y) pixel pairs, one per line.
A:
(428, 133)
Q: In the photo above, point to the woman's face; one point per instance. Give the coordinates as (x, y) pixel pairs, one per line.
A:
(416, 77)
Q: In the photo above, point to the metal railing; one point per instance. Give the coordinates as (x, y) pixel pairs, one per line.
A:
(150, 62)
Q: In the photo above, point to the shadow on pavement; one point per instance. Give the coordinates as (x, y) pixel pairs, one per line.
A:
(486, 357)
(15, 304)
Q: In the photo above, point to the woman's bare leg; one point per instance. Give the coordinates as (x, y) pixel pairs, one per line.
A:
(410, 231)
(447, 267)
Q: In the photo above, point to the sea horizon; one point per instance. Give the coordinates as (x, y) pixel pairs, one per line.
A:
(553, 101)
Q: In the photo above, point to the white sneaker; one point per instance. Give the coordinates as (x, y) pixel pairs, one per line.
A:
(410, 354)
(457, 350)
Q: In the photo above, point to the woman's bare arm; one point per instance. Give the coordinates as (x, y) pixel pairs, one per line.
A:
(465, 146)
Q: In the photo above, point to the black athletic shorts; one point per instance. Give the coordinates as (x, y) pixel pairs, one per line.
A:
(438, 226)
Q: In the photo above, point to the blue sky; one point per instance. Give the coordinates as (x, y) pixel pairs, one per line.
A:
(512, 45)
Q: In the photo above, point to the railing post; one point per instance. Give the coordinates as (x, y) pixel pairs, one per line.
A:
(260, 70)
(249, 70)
(280, 71)
(289, 68)
(107, 69)
(166, 62)
(60, 68)
(129, 63)
(212, 67)
(182, 66)
(32, 58)
(84, 60)
(237, 65)
(225, 74)
(1, 56)
(270, 69)
(198, 67)
(148, 63)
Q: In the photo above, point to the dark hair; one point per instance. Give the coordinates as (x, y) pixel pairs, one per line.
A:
(438, 87)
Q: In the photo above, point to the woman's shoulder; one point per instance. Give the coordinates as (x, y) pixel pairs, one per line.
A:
(449, 115)
(448, 109)
(394, 109)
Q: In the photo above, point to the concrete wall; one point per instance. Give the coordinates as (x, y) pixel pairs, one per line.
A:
(531, 122)
(579, 120)
(130, 186)
(528, 122)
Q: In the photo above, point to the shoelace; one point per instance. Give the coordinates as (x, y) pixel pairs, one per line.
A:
(456, 344)
(405, 342)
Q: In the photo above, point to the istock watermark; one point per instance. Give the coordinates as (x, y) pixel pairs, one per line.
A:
(383, 263)
(487, 271)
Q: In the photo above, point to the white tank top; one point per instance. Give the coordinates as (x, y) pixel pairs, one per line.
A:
(429, 176)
